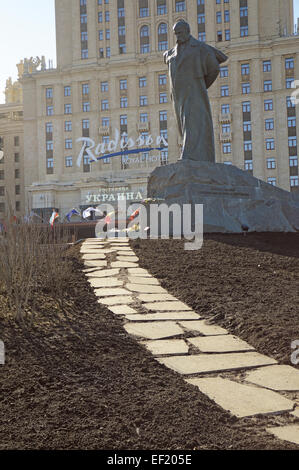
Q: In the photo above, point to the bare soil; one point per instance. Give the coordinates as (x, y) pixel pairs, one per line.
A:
(74, 379)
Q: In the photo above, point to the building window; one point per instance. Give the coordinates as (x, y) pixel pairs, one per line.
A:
(162, 79)
(289, 82)
(268, 105)
(144, 49)
(50, 110)
(267, 85)
(161, 9)
(247, 126)
(246, 107)
(68, 144)
(201, 18)
(68, 126)
(163, 45)
(49, 145)
(143, 117)
(123, 84)
(49, 92)
(105, 122)
(85, 89)
(247, 146)
(245, 88)
(85, 124)
(219, 36)
(271, 181)
(67, 109)
(245, 69)
(86, 107)
(84, 54)
(100, 17)
(270, 144)
(143, 12)
(142, 82)
(122, 49)
(108, 34)
(271, 163)
(123, 120)
(290, 102)
(289, 63)
(202, 36)
(83, 19)
(243, 12)
(104, 86)
(227, 34)
(243, 31)
(267, 66)
(226, 148)
(291, 121)
(84, 36)
(226, 16)
(293, 161)
(180, 6)
(218, 17)
(124, 102)
(17, 174)
(163, 115)
(143, 100)
(68, 161)
(121, 12)
(104, 105)
(224, 90)
(17, 158)
(108, 52)
(101, 35)
(107, 16)
(163, 98)
(121, 30)
(294, 181)
(164, 157)
(224, 71)
(225, 109)
(225, 128)
(248, 165)
(67, 91)
(269, 124)
(292, 141)
(101, 53)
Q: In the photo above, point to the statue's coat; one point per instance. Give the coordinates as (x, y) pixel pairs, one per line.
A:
(191, 73)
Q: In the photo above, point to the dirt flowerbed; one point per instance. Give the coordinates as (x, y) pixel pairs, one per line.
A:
(247, 284)
(74, 379)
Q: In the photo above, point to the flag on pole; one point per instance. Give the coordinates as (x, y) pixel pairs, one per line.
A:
(54, 216)
(72, 212)
(87, 212)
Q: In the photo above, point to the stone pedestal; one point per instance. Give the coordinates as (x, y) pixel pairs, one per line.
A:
(231, 198)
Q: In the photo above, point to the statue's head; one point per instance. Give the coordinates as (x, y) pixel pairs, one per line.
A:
(182, 31)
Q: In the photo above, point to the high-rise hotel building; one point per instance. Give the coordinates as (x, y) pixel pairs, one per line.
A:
(111, 87)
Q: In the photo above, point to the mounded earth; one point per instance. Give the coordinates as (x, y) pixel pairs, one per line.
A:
(77, 380)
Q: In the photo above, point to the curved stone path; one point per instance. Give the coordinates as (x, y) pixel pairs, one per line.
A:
(222, 366)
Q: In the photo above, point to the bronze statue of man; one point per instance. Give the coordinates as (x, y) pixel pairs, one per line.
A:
(193, 67)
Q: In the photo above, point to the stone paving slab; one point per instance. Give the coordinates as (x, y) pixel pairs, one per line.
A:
(143, 280)
(122, 310)
(125, 252)
(92, 251)
(164, 316)
(220, 344)
(242, 400)
(135, 271)
(204, 328)
(92, 270)
(105, 282)
(95, 263)
(167, 306)
(166, 346)
(145, 289)
(113, 291)
(95, 256)
(203, 363)
(127, 259)
(103, 273)
(117, 300)
(154, 330)
(122, 264)
(156, 297)
(288, 433)
(280, 377)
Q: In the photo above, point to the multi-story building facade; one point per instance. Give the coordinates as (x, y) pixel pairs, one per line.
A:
(111, 86)
(12, 200)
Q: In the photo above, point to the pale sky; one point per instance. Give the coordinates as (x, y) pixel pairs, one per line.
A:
(28, 30)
